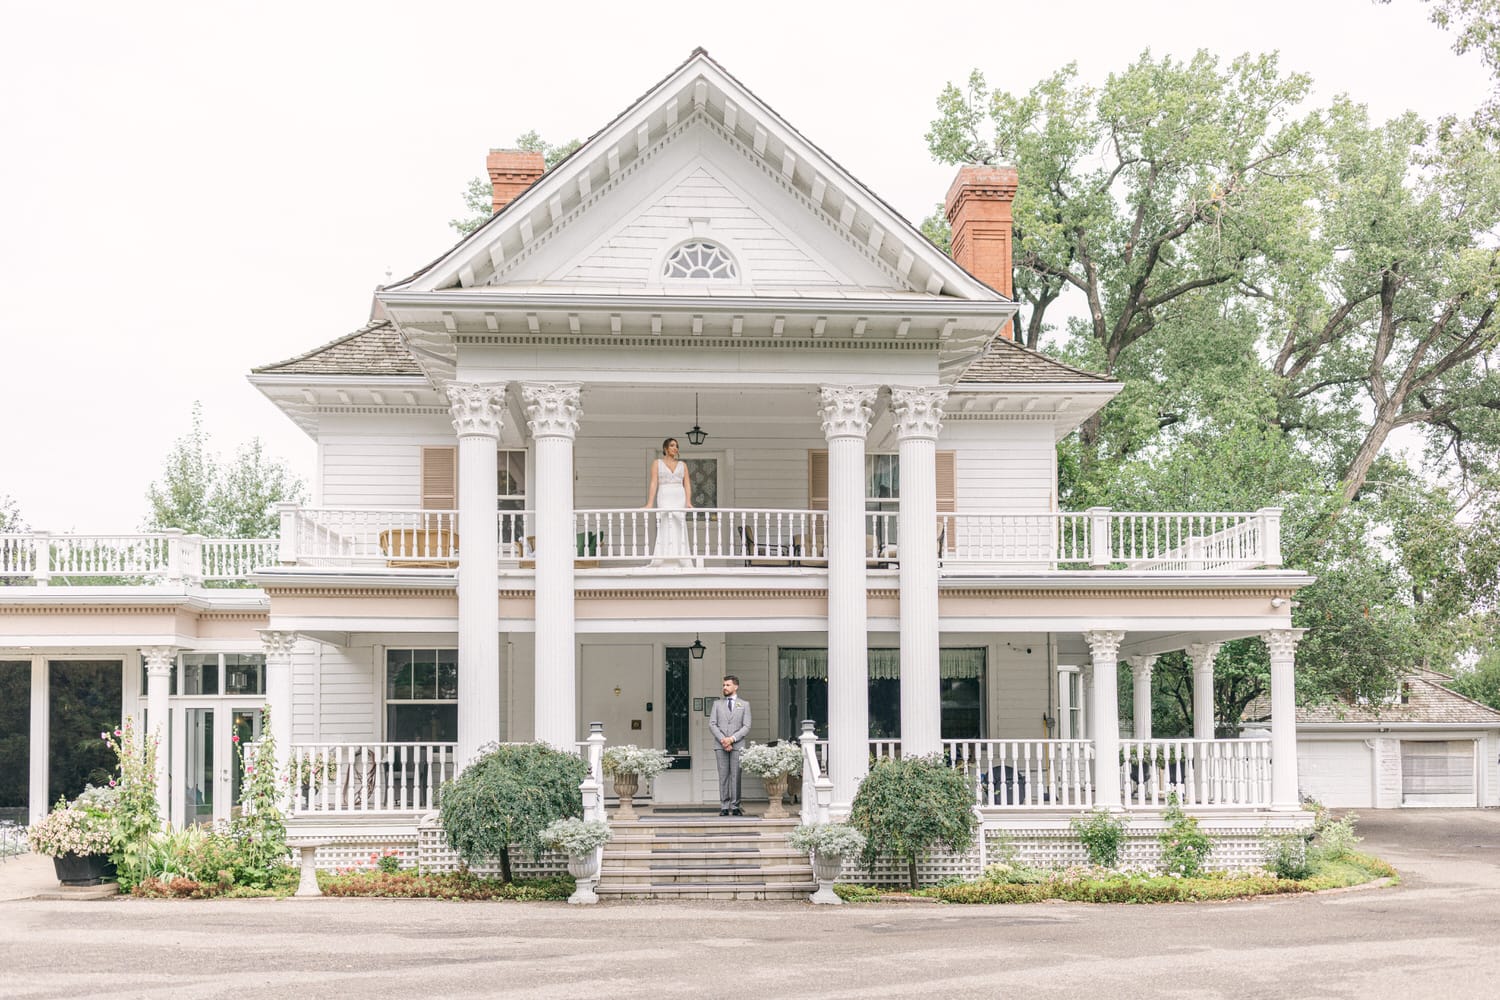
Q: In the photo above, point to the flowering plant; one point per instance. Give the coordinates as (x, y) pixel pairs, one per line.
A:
(135, 818)
(770, 761)
(631, 759)
(839, 840)
(576, 836)
(72, 829)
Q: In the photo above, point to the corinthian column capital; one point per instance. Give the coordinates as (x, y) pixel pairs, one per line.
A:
(918, 411)
(1202, 655)
(846, 410)
(278, 645)
(477, 408)
(159, 660)
(1104, 644)
(1142, 666)
(1282, 642)
(552, 408)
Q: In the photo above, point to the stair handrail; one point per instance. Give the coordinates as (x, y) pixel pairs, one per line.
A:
(817, 788)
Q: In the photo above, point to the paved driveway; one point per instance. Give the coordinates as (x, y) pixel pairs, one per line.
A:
(1431, 937)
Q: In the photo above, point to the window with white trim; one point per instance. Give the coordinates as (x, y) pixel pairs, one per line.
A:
(698, 259)
(421, 695)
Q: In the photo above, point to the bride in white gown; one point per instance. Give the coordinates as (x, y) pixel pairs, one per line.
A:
(672, 493)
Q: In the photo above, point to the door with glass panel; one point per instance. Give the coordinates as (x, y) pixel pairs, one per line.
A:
(217, 707)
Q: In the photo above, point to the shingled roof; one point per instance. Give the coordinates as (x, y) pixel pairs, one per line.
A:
(1428, 701)
(1006, 361)
(373, 349)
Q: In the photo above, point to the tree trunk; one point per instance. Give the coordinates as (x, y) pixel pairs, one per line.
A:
(505, 865)
(1369, 450)
(911, 864)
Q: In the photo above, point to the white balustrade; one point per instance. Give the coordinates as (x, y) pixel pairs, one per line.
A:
(1200, 773)
(882, 538)
(1026, 774)
(885, 749)
(380, 536)
(719, 534)
(356, 778)
(1101, 538)
(234, 558)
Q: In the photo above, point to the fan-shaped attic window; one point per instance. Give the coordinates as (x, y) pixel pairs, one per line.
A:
(700, 259)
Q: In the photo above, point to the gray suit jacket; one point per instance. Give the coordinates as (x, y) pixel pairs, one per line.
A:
(736, 725)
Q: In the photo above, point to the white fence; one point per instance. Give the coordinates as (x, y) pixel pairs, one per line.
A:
(753, 537)
(43, 559)
(360, 778)
(1199, 772)
(1027, 774)
(369, 536)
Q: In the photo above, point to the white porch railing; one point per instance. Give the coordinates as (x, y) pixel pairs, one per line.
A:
(1100, 538)
(817, 787)
(1200, 772)
(43, 559)
(1027, 774)
(720, 534)
(358, 778)
(369, 536)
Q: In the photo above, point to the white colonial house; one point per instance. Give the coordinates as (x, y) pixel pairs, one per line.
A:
(875, 545)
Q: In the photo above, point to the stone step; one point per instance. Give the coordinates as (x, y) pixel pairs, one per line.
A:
(705, 874)
(691, 856)
(683, 890)
(696, 842)
(729, 824)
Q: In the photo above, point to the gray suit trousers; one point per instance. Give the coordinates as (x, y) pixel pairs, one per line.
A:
(729, 776)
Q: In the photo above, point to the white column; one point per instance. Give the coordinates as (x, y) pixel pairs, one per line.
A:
(159, 662)
(919, 417)
(477, 416)
(1086, 693)
(278, 646)
(1201, 655)
(1104, 645)
(1065, 673)
(1140, 672)
(846, 412)
(553, 412)
(38, 801)
(1282, 644)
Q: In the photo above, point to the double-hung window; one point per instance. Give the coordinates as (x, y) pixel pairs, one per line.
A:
(421, 695)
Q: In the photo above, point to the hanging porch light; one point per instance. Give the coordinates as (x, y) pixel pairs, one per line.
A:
(697, 649)
(696, 436)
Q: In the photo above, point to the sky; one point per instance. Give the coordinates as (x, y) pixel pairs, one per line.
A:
(188, 190)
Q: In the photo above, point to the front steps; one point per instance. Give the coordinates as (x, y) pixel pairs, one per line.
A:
(703, 856)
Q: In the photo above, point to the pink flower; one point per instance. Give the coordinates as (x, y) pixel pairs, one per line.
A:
(236, 737)
(104, 736)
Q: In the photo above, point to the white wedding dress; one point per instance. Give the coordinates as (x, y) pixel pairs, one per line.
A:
(671, 524)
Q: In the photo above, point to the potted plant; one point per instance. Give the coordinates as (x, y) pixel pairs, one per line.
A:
(580, 840)
(773, 764)
(628, 764)
(78, 838)
(829, 844)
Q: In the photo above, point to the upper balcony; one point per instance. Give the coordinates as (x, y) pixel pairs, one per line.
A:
(623, 541)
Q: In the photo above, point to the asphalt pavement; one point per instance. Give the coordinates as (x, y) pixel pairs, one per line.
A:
(1431, 936)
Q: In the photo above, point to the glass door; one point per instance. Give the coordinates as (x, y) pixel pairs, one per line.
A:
(245, 724)
(212, 779)
(199, 783)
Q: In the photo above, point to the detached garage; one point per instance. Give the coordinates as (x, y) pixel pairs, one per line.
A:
(1430, 747)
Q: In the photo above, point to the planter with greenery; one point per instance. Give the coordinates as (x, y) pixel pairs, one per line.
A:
(506, 798)
(773, 765)
(77, 837)
(829, 844)
(580, 840)
(628, 764)
(906, 806)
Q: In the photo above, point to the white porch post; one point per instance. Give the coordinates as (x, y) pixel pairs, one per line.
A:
(159, 660)
(1104, 645)
(37, 796)
(846, 413)
(1086, 696)
(1201, 655)
(1282, 644)
(477, 411)
(1140, 673)
(553, 412)
(278, 646)
(919, 418)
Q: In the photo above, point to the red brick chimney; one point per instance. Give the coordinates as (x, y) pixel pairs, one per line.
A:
(978, 210)
(511, 172)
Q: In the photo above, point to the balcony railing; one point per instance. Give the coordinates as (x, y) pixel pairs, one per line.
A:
(365, 778)
(1198, 772)
(378, 538)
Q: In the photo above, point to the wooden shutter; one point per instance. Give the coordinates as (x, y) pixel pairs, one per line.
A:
(817, 480)
(947, 494)
(439, 478)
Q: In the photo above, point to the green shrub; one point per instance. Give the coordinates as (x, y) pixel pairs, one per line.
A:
(1336, 839)
(1102, 833)
(905, 806)
(1289, 855)
(443, 885)
(1008, 873)
(1184, 847)
(506, 797)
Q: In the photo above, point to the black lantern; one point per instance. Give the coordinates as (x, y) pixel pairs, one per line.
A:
(697, 649)
(696, 436)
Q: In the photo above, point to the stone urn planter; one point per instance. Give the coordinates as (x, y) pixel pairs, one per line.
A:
(775, 788)
(828, 844)
(84, 869)
(626, 785)
(583, 867)
(826, 869)
(580, 840)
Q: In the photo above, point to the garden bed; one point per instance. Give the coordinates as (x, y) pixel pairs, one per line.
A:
(443, 885)
(1005, 884)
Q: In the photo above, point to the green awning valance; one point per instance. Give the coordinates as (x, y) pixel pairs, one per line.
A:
(885, 664)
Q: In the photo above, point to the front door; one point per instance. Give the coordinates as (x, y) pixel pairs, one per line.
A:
(676, 784)
(207, 758)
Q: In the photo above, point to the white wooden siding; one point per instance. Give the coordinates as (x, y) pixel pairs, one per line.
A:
(1003, 465)
(350, 703)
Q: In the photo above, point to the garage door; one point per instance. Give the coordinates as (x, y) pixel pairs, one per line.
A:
(1437, 773)
(1338, 773)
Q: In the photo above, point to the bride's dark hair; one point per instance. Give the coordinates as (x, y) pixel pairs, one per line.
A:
(665, 443)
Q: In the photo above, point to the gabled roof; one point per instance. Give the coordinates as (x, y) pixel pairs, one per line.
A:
(373, 349)
(701, 92)
(1008, 362)
(1428, 702)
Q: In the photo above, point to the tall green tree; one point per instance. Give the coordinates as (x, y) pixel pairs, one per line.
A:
(203, 494)
(477, 195)
(10, 514)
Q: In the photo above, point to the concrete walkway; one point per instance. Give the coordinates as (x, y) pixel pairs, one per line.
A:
(26, 876)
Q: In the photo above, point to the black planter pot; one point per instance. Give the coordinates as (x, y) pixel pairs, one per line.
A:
(85, 869)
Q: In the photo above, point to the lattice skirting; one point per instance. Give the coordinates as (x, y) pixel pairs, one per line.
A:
(435, 855)
(354, 851)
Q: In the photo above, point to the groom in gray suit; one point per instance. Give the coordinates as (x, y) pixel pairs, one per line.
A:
(730, 724)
